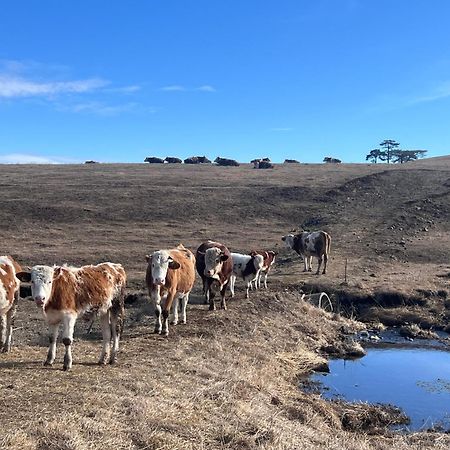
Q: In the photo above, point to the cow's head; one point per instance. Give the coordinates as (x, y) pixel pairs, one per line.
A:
(214, 258)
(288, 240)
(41, 279)
(160, 262)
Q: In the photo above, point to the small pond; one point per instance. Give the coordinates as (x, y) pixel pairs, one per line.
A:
(415, 379)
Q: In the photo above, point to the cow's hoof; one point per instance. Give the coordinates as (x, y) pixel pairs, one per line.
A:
(165, 333)
(113, 360)
(48, 363)
(183, 322)
(6, 349)
(309, 270)
(212, 308)
(157, 331)
(67, 368)
(174, 323)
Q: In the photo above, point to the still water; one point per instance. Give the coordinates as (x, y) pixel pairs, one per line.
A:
(416, 380)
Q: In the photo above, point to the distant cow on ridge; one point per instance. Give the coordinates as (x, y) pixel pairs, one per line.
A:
(226, 162)
(173, 160)
(308, 245)
(153, 160)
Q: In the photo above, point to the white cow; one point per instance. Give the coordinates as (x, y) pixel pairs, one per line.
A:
(246, 267)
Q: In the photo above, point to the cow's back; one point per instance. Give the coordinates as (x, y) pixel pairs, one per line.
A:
(184, 276)
(9, 284)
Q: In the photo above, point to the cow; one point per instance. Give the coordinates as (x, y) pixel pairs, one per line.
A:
(172, 160)
(246, 267)
(269, 260)
(291, 161)
(9, 296)
(64, 293)
(192, 160)
(153, 160)
(203, 160)
(264, 165)
(307, 245)
(329, 159)
(226, 162)
(214, 265)
(170, 276)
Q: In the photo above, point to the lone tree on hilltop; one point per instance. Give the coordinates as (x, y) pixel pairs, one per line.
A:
(375, 155)
(402, 156)
(389, 145)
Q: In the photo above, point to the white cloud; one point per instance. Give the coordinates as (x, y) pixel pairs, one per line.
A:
(180, 88)
(206, 88)
(440, 92)
(24, 158)
(12, 86)
(173, 88)
(106, 110)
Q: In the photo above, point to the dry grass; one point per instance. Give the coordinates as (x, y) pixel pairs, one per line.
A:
(226, 380)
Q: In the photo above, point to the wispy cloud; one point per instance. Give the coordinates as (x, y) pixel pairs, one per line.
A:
(181, 88)
(13, 86)
(24, 158)
(104, 109)
(173, 88)
(281, 129)
(206, 88)
(438, 93)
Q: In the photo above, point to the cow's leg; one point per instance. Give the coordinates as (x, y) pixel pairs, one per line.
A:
(68, 327)
(52, 337)
(116, 315)
(175, 310)
(232, 283)
(156, 299)
(246, 291)
(205, 290)
(325, 261)
(223, 304)
(2, 329)
(106, 335)
(210, 295)
(320, 263)
(305, 264)
(309, 263)
(184, 302)
(166, 311)
(265, 279)
(9, 324)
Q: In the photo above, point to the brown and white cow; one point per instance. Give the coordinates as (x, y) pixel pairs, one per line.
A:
(214, 265)
(307, 245)
(9, 295)
(269, 261)
(64, 293)
(246, 267)
(170, 276)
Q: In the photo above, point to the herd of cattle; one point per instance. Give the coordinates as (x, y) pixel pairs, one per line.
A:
(64, 293)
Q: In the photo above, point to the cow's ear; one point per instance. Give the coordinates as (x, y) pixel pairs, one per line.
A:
(147, 258)
(224, 257)
(201, 253)
(274, 253)
(24, 276)
(253, 253)
(173, 264)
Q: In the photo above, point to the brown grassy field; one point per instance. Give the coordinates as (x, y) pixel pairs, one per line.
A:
(226, 379)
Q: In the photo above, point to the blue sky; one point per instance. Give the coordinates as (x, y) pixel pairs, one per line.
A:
(118, 81)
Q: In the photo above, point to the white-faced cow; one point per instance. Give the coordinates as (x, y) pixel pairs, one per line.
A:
(64, 293)
(9, 295)
(214, 265)
(269, 260)
(170, 277)
(246, 267)
(308, 245)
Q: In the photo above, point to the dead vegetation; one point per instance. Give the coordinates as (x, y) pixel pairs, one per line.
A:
(226, 380)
